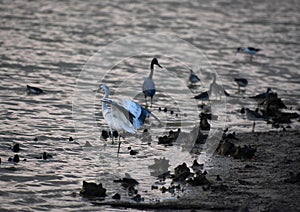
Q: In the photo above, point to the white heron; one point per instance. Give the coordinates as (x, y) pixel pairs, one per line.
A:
(126, 117)
(148, 85)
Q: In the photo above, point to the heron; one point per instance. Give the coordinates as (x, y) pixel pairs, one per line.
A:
(126, 117)
(148, 85)
(248, 50)
(193, 78)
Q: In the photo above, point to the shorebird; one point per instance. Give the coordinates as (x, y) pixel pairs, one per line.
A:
(253, 115)
(262, 96)
(34, 90)
(214, 89)
(193, 78)
(241, 82)
(148, 85)
(248, 50)
(126, 117)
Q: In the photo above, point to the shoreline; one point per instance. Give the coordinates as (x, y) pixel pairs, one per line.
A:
(268, 182)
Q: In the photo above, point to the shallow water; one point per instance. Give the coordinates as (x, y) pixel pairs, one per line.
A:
(47, 44)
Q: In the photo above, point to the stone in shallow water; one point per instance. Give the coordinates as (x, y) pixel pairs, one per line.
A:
(15, 159)
(169, 139)
(92, 190)
(227, 148)
(116, 196)
(16, 147)
(181, 172)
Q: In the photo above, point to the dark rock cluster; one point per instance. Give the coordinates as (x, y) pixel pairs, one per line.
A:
(169, 139)
(92, 190)
(129, 184)
(228, 148)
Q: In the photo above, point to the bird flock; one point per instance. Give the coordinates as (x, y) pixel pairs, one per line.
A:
(128, 116)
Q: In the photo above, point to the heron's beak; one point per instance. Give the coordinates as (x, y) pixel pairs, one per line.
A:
(159, 65)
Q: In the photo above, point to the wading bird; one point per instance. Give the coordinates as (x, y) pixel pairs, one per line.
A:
(241, 82)
(126, 117)
(148, 85)
(34, 90)
(248, 50)
(193, 78)
(215, 90)
(262, 96)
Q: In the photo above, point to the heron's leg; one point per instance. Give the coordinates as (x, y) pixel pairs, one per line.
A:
(151, 101)
(239, 89)
(112, 135)
(253, 126)
(119, 144)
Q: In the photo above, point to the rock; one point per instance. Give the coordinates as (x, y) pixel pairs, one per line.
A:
(242, 111)
(116, 196)
(127, 182)
(169, 139)
(35, 139)
(181, 172)
(46, 156)
(204, 125)
(246, 152)
(133, 152)
(137, 198)
(226, 148)
(199, 180)
(197, 136)
(15, 159)
(71, 139)
(154, 187)
(229, 136)
(16, 147)
(197, 166)
(92, 190)
(208, 116)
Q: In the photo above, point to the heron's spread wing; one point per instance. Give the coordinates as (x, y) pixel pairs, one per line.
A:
(127, 114)
(140, 113)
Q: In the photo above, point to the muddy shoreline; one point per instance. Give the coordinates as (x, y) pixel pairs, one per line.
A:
(267, 182)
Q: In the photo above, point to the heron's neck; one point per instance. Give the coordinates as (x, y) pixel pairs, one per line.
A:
(151, 73)
(104, 105)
